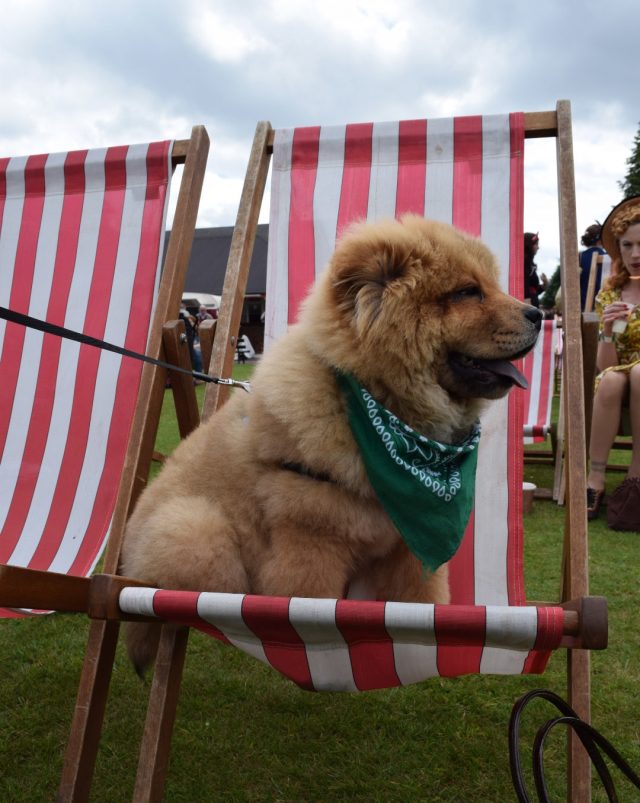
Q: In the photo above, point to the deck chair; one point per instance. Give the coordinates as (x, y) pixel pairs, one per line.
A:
(81, 244)
(543, 369)
(540, 370)
(600, 263)
(424, 640)
(82, 238)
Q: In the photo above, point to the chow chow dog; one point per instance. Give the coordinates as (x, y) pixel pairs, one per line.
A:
(270, 495)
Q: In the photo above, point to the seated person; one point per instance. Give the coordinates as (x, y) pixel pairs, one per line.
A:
(533, 285)
(592, 241)
(618, 360)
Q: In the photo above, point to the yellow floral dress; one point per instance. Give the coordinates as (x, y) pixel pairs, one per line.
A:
(628, 343)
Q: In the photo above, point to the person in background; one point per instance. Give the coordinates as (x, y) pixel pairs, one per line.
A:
(203, 315)
(533, 285)
(190, 331)
(618, 360)
(592, 240)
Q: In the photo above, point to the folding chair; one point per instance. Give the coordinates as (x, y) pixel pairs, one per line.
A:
(543, 369)
(456, 184)
(82, 237)
(600, 263)
(541, 366)
(540, 369)
(81, 245)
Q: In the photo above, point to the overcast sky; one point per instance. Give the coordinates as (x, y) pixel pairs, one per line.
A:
(94, 73)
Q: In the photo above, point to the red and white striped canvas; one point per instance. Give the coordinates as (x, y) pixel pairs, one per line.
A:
(344, 645)
(465, 171)
(81, 237)
(539, 369)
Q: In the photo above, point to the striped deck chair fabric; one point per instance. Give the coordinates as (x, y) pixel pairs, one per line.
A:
(540, 366)
(469, 172)
(81, 238)
(348, 645)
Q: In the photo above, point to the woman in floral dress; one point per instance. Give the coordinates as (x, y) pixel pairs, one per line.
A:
(618, 357)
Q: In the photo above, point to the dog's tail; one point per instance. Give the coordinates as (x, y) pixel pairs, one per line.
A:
(142, 640)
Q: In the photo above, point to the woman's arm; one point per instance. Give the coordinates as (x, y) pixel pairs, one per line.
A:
(607, 353)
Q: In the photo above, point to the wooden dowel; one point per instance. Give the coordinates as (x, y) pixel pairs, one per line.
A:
(584, 619)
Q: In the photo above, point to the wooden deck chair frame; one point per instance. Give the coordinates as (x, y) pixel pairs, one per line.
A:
(153, 760)
(597, 260)
(556, 456)
(164, 341)
(165, 338)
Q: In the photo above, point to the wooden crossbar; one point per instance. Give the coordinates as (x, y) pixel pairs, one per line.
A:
(585, 620)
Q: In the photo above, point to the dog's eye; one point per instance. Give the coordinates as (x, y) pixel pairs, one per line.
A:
(464, 293)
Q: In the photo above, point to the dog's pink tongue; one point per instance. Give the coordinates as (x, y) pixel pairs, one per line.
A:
(508, 369)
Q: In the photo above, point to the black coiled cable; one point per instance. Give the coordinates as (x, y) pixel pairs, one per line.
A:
(594, 743)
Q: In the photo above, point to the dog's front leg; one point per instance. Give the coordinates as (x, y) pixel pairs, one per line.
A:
(304, 564)
(401, 577)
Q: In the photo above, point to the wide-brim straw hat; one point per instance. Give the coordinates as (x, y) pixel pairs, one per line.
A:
(609, 239)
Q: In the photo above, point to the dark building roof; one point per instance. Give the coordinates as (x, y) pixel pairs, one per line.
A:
(209, 256)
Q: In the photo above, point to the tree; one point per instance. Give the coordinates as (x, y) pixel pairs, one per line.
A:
(631, 184)
(548, 298)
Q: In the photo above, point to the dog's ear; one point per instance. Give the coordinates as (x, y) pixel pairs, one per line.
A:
(362, 272)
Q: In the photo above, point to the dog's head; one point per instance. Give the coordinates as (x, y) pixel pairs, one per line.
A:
(417, 301)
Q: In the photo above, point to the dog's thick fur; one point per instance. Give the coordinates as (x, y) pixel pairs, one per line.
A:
(270, 495)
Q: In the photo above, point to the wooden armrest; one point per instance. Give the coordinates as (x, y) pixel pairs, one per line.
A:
(96, 596)
(585, 620)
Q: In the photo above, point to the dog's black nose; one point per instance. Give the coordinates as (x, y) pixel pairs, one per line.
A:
(534, 315)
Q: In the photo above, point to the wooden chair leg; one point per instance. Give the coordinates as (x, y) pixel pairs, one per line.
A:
(559, 468)
(163, 701)
(579, 682)
(91, 702)
(174, 341)
(206, 333)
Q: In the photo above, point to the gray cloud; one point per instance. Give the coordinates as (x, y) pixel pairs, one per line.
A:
(106, 72)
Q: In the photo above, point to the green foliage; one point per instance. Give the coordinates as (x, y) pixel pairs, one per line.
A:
(243, 733)
(548, 298)
(631, 184)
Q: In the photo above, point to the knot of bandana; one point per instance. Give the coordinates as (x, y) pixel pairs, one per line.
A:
(426, 487)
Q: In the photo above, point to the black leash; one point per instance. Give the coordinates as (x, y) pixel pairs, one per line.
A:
(70, 334)
(594, 743)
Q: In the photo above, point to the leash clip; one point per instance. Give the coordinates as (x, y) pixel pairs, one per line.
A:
(234, 383)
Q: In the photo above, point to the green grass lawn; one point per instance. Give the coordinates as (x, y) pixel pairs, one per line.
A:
(245, 734)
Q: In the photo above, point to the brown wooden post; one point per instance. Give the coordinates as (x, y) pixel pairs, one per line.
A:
(235, 280)
(163, 700)
(576, 578)
(163, 697)
(184, 397)
(596, 260)
(98, 662)
(589, 352)
(91, 703)
(206, 333)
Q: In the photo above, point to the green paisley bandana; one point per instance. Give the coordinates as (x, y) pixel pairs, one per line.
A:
(425, 487)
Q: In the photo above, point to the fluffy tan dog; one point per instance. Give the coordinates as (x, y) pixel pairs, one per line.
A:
(270, 495)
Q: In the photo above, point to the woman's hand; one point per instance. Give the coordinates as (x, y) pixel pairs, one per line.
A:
(612, 312)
